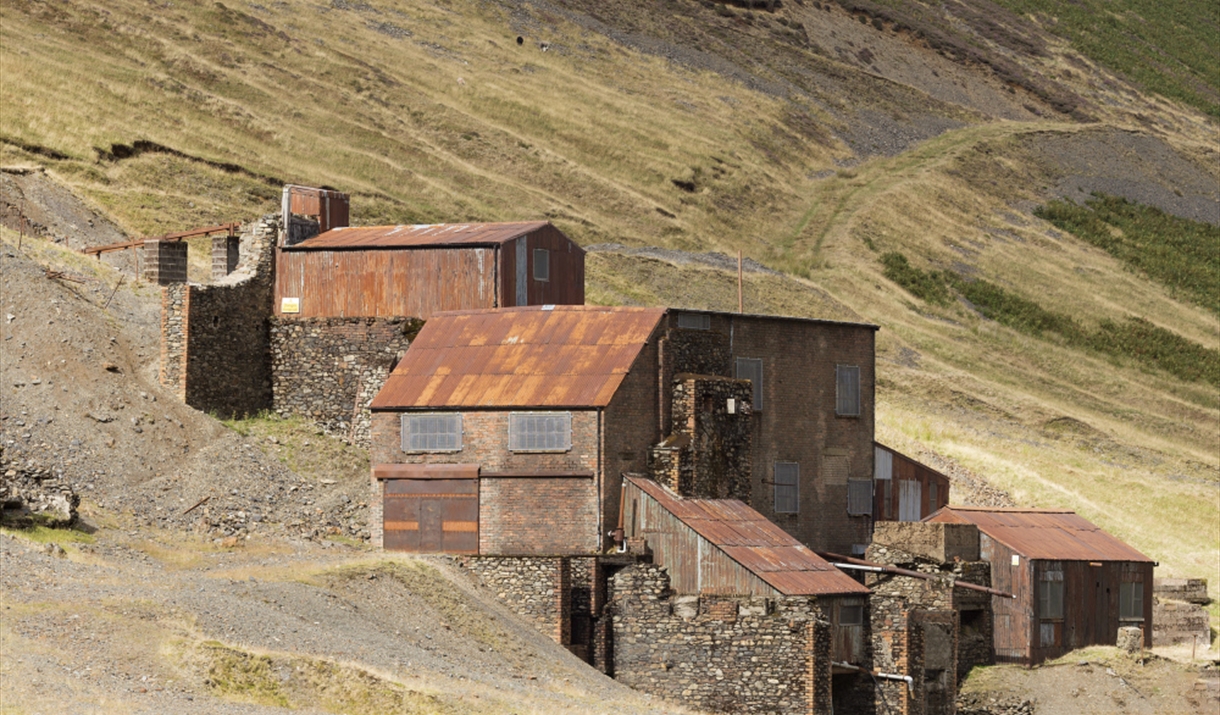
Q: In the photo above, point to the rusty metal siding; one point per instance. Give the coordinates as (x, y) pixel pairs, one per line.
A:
(435, 235)
(904, 469)
(331, 207)
(695, 565)
(1013, 618)
(1044, 534)
(567, 269)
(415, 283)
(432, 515)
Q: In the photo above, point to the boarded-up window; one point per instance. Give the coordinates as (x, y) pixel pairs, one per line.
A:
(932, 505)
(542, 264)
(1050, 594)
(540, 431)
(910, 494)
(883, 463)
(851, 613)
(859, 497)
(847, 390)
(432, 433)
(787, 487)
(752, 369)
(695, 321)
(1131, 601)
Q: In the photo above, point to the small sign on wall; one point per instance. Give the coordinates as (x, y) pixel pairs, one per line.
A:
(290, 305)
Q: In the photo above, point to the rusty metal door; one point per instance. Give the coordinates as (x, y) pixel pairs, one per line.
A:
(910, 498)
(432, 515)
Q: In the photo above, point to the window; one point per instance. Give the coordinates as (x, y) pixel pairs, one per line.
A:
(851, 613)
(787, 487)
(847, 390)
(1131, 601)
(859, 497)
(542, 264)
(432, 433)
(752, 369)
(1050, 594)
(540, 431)
(883, 463)
(695, 321)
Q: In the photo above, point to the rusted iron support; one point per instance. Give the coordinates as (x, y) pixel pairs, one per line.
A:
(886, 568)
(231, 227)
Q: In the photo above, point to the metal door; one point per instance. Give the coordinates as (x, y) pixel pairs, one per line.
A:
(910, 496)
(432, 515)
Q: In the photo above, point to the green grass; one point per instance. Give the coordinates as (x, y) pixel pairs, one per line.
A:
(1184, 255)
(1133, 338)
(47, 535)
(1168, 47)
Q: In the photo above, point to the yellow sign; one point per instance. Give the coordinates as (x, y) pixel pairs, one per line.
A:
(290, 305)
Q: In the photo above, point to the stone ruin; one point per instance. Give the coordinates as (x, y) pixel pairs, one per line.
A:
(32, 496)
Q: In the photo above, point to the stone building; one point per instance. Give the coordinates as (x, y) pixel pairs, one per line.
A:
(1074, 584)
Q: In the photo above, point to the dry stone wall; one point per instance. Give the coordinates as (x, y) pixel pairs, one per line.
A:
(329, 369)
(537, 589)
(33, 495)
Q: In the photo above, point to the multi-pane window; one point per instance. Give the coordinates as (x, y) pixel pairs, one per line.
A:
(540, 431)
(1050, 594)
(847, 390)
(542, 264)
(787, 487)
(851, 613)
(695, 321)
(432, 433)
(752, 369)
(1131, 601)
(859, 497)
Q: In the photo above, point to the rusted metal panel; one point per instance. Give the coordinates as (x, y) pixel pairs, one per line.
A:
(519, 357)
(918, 481)
(1044, 533)
(384, 283)
(431, 513)
(723, 546)
(330, 207)
(420, 236)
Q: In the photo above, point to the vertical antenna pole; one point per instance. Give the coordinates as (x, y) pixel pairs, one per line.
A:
(740, 299)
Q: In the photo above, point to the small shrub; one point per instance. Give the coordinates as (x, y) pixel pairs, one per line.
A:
(928, 286)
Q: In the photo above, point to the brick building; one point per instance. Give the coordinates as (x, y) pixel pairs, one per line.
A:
(547, 407)
(1075, 585)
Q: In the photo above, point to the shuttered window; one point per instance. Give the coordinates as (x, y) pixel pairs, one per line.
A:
(787, 487)
(695, 321)
(542, 264)
(432, 433)
(752, 369)
(847, 390)
(859, 497)
(1131, 601)
(1050, 594)
(540, 431)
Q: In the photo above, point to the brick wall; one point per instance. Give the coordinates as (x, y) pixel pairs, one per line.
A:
(165, 262)
(719, 654)
(328, 369)
(215, 350)
(226, 252)
(631, 428)
(566, 526)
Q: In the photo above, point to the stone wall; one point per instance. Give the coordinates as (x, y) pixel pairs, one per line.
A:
(1178, 613)
(33, 495)
(215, 350)
(718, 654)
(708, 454)
(536, 588)
(327, 370)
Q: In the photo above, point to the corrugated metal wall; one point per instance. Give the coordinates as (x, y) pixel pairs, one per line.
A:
(932, 490)
(567, 270)
(331, 207)
(386, 283)
(695, 565)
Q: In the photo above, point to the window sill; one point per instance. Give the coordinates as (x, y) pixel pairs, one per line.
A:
(540, 451)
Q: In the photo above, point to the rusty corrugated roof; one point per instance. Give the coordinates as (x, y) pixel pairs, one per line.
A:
(1045, 534)
(756, 543)
(539, 356)
(417, 236)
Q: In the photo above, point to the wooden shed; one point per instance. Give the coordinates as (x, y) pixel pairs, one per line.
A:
(1075, 585)
(723, 547)
(904, 489)
(415, 271)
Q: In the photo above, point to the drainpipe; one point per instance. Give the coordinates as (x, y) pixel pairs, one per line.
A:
(884, 676)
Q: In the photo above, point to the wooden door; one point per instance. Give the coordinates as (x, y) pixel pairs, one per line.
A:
(431, 515)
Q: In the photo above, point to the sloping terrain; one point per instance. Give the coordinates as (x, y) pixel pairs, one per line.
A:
(820, 138)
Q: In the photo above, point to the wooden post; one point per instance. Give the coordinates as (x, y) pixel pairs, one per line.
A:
(21, 225)
(740, 299)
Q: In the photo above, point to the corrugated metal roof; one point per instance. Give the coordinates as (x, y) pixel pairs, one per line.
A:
(540, 356)
(417, 236)
(1045, 534)
(756, 543)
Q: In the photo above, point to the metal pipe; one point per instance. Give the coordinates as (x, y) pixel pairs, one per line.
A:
(885, 568)
(884, 676)
(856, 567)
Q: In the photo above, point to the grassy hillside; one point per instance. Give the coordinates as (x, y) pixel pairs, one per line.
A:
(818, 138)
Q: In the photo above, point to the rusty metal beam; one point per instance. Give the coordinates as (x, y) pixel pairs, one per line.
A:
(886, 568)
(206, 231)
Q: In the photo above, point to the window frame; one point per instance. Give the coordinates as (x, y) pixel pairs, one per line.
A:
(756, 397)
(545, 263)
(514, 432)
(1051, 595)
(408, 431)
(1127, 591)
(854, 485)
(851, 605)
(795, 486)
(702, 321)
(840, 398)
